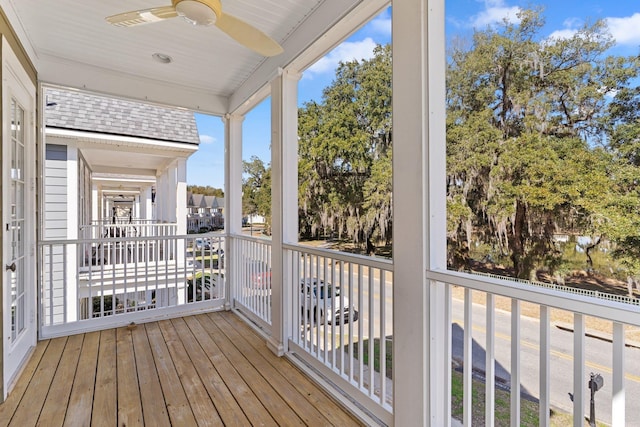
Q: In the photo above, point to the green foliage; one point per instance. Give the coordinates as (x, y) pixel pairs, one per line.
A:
(256, 189)
(206, 190)
(542, 138)
(100, 302)
(345, 153)
(536, 144)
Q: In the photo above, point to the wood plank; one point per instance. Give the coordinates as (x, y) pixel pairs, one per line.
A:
(331, 409)
(9, 406)
(55, 406)
(178, 407)
(224, 378)
(105, 403)
(309, 413)
(154, 408)
(277, 407)
(210, 369)
(36, 392)
(81, 400)
(204, 411)
(129, 403)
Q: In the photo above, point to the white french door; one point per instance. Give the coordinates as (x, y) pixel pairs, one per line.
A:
(18, 217)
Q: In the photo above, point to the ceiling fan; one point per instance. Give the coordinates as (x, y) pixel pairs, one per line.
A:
(203, 12)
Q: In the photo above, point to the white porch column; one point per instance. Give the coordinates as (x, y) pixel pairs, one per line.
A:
(180, 195)
(171, 185)
(157, 200)
(145, 203)
(233, 173)
(421, 342)
(96, 204)
(232, 191)
(284, 200)
(161, 197)
(180, 211)
(106, 207)
(71, 303)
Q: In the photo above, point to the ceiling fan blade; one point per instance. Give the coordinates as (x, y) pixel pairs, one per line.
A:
(144, 16)
(248, 36)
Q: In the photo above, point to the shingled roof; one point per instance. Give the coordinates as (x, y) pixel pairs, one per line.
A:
(76, 110)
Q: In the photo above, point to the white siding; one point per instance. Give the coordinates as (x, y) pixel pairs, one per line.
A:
(55, 227)
(55, 192)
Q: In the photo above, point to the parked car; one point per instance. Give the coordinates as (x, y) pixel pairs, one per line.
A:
(193, 264)
(261, 280)
(322, 301)
(201, 243)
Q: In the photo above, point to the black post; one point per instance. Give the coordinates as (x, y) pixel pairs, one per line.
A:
(592, 409)
(596, 382)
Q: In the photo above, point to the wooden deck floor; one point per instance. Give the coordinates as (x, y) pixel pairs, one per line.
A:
(208, 369)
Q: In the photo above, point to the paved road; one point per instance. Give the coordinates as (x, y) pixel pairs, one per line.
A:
(598, 352)
(598, 360)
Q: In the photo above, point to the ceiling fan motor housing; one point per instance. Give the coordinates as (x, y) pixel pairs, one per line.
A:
(198, 12)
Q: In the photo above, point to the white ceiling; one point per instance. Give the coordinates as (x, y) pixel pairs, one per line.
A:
(72, 45)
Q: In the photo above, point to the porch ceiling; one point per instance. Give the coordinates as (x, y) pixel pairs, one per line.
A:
(71, 44)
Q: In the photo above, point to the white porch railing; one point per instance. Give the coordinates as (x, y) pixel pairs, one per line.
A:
(251, 288)
(341, 318)
(139, 228)
(540, 361)
(342, 308)
(89, 284)
(342, 321)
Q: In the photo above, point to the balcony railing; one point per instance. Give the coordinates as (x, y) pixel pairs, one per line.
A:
(340, 319)
(138, 228)
(536, 356)
(92, 283)
(251, 288)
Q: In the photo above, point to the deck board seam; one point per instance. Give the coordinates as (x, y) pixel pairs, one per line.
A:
(274, 405)
(227, 376)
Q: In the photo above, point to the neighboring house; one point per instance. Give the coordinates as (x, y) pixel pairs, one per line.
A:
(254, 219)
(204, 212)
(124, 152)
(113, 168)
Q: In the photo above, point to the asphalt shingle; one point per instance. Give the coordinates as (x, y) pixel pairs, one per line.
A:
(76, 110)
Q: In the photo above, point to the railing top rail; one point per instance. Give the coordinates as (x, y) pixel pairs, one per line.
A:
(187, 237)
(612, 310)
(257, 239)
(132, 224)
(381, 263)
(588, 292)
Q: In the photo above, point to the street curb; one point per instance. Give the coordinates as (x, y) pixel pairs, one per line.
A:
(595, 334)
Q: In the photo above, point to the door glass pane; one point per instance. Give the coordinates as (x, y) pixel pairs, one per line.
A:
(15, 252)
(12, 198)
(19, 188)
(19, 161)
(16, 222)
(14, 294)
(19, 238)
(13, 159)
(20, 272)
(13, 118)
(19, 122)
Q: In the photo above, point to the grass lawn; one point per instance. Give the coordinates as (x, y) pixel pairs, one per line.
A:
(376, 352)
(528, 408)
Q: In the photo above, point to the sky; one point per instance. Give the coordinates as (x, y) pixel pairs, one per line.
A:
(563, 18)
